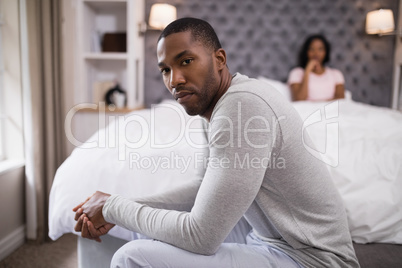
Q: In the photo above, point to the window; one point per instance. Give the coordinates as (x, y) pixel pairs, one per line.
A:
(11, 119)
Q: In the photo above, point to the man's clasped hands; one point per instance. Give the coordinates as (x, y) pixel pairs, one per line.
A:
(89, 217)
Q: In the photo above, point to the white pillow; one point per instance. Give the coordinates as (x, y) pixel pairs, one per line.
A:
(281, 87)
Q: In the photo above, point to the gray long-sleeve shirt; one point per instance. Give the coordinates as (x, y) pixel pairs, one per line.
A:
(258, 168)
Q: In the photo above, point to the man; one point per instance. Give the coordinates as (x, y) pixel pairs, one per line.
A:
(295, 212)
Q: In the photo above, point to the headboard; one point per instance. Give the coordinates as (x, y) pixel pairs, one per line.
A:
(263, 37)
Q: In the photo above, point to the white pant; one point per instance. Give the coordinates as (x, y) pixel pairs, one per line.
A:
(241, 249)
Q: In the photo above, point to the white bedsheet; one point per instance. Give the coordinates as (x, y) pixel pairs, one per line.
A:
(362, 149)
(151, 160)
(367, 168)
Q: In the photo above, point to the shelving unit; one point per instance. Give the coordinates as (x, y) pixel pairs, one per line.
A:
(86, 21)
(94, 19)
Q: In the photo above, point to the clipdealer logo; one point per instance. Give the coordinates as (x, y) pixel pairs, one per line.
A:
(328, 115)
(136, 130)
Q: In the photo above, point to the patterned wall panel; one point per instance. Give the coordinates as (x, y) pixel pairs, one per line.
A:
(263, 37)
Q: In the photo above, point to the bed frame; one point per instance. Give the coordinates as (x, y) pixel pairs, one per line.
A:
(92, 254)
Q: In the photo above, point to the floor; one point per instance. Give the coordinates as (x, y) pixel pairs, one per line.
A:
(57, 254)
(63, 254)
(379, 255)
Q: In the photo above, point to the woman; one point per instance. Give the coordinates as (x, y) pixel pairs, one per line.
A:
(313, 80)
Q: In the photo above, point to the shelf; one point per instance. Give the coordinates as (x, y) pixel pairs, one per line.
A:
(99, 18)
(105, 56)
(101, 5)
(105, 1)
(106, 109)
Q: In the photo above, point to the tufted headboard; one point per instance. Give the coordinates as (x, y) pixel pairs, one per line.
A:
(263, 37)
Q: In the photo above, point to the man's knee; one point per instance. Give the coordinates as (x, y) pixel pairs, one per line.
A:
(132, 254)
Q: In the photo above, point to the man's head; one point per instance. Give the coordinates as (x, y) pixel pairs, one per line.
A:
(193, 65)
(200, 31)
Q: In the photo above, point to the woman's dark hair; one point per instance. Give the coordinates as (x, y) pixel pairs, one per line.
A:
(303, 54)
(200, 31)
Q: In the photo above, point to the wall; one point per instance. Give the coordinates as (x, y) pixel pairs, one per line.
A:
(12, 210)
(263, 38)
(69, 55)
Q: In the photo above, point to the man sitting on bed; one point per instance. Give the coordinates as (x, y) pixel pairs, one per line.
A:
(296, 214)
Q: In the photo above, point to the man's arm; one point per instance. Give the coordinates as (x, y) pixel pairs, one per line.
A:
(180, 198)
(238, 139)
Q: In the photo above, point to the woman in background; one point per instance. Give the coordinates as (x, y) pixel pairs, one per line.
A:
(313, 80)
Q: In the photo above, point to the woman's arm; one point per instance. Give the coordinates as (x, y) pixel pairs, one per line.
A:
(300, 90)
(339, 92)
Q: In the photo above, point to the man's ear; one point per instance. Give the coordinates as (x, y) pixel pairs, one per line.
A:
(220, 56)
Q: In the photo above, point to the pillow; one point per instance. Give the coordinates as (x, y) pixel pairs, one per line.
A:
(281, 87)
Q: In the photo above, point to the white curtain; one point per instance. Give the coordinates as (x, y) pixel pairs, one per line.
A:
(43, 120)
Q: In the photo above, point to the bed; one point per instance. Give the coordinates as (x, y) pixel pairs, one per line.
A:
(150, 150)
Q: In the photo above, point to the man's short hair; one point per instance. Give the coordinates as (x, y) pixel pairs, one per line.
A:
(200, 30)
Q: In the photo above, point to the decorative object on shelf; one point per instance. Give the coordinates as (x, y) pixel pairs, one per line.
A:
(114, 42)
(95, 41)
(100, 88)
(116, 96)
(160, 16)
(380, 22)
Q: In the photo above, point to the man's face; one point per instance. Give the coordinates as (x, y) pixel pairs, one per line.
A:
(189, 72)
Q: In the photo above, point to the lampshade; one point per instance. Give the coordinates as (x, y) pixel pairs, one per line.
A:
(380, 21)
(161, 15)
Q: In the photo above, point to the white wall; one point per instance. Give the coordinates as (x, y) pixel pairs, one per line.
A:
(12, 210)
(68, 58)
(396, 94)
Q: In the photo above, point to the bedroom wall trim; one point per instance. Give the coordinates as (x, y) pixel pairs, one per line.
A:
(9, 165)
(12, 241)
